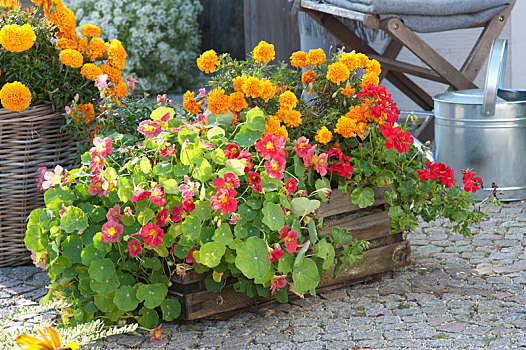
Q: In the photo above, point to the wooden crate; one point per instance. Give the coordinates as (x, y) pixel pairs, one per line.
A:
(386, 252)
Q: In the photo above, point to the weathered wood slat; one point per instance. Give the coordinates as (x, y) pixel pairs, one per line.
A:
(376, 261)
(341, 203)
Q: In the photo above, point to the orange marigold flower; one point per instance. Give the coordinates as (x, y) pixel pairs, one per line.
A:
(268, 89)
(95, 131)
(85, 113)
(361, 60)
(368, 79)
(91, 71)
(252, 87)
(190, 103)
(288, 100)
(357, 113)
(238, 83)
(218, 102)
(264, 52)
(315, 57)
(348, 90)
(237, 102)
(96, 48)
(90, 30)
(373, 67)
(119, 90)
(15, 96)
(348, 127)
(349, 59)
(323, 135)
(71, 58)
(116, 55)
(273, 126)
(208, 61)
(307, 77)
(290, 117)
(65, 43)
(299, 59)
(46, 4)
(338, 72)
(63, 18)
(10, 4)
(114, 75)
(16, 38)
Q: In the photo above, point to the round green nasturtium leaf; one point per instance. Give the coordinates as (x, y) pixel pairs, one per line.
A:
(191, 227)
(59, 265)
(211, 253)
(74, 220)
(303, 206)
(149, 318)
(90, 307)
(273, 216)
(160, 112)
(105, 287)
(306, 277)
(56, 196)
(99, 244)
(215, 132)
(98, 214)
(171, 309)
(152, 294)
(72, 247)
(101, 270)
(125, 298)
(223, 234)
(104, 302)
(203, 170)
(252, 257)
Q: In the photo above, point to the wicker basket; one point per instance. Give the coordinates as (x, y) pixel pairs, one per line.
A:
(28, 140)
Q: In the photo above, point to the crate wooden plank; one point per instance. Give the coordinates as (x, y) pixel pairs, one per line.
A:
(205, 304)
(366, 227)
(340, 203)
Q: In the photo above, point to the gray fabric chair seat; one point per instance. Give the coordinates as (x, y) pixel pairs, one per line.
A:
(428, 15)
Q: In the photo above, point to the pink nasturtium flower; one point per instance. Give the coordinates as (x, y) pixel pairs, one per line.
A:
(130, 82)
(103, 146)
(114, 213)
(232, 151)
(52, 178)
(99, 186)
(277, 282)
(111, 231)
(189, 188)
(321, 164)
(134, 247)
(302, 146)
(149, 128)
(223, 201)
(156, 196)
(139, 194)
(275, 167)
(157, 333)
(101, 82)
(291, 186)
(153, 235)
(270, 146)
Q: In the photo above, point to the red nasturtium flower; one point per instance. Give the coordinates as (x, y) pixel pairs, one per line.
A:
(139, 194)
(177, 213)
(229, 182)
(283, 231)
(291, 185)
(114, 213)
(276, 254)
(168, 152)
(190, 256)
(254, 178)
(270, 146)
(275, 167)
(162, 216)
(246, 159)
(277, 282)
(111, 231)
(134, 247)
(291, 241)
(223, 201)
(188, 204)
(232, 151)
(157, 333)
(152, 234)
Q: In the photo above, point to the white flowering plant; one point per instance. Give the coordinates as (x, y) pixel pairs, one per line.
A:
(162, 37)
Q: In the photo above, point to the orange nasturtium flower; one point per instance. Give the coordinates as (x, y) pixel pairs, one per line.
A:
(15, 96)
(208, 61)
(16, 38)
(51, 343)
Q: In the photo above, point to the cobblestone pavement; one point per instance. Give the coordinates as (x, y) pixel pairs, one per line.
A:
(459, 293)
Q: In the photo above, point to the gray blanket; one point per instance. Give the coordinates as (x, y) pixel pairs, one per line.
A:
(428, 15)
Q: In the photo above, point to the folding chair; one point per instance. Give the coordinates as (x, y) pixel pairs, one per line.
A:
(400, 19)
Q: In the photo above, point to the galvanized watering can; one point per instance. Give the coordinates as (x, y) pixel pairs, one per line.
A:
(485, 130)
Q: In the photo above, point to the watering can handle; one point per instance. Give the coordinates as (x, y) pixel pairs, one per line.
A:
(494, 76)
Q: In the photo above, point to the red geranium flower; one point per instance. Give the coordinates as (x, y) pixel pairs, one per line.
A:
(471, 183)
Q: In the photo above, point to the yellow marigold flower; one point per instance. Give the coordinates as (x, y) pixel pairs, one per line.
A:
(238, 83)
(348, 127)
(299, 59)
(347, 90)
(190, 103)
(63, 18)
(15, 96)
(91, 71)
(96, 48)
(218, 102)
(237, 102)
(264, 52)
(65, 43)
(290, 117)
(252, 87)
(349, 59)
(90, 30)
(373, 67)
(307, 77)
(288, 100)
(368, 79)
(114, 75)
(361, 60)
(16, 38)
(323, 135)
(71, 58)
(268, 89)
(116, 55)
(315, 57)
(208, 61)
(338, 72)
(273, 126)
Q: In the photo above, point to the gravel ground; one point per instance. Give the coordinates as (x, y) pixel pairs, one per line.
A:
(460, 293)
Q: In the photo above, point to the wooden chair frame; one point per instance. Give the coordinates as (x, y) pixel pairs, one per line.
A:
(395, 71)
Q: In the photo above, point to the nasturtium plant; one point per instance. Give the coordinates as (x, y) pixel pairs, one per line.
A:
(231, 187)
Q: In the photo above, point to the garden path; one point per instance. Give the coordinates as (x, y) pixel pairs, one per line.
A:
(460, 293)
